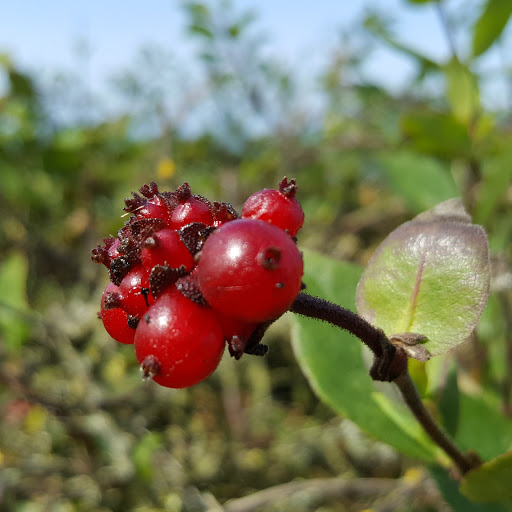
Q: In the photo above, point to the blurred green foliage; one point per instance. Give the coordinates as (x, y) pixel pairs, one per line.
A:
(78, 430)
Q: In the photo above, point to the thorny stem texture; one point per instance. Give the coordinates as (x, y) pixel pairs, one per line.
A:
(390, 364)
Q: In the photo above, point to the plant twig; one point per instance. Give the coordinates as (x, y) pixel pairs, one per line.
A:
(388, 361)
(390, 364)
(446, 27)
(324, 488)
(412, 398)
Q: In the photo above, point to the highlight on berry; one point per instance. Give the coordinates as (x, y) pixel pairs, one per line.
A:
(189, 276)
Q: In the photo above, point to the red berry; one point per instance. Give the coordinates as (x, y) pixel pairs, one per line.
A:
(154, 209)
(112, 250)
(166, 248)
(232, 326)
(106, 253)
(278, 207)
(134, 291)
(151, 205)
(222, 213)
(115, 320)
(190, 208)
(178, 343)
(250, 270)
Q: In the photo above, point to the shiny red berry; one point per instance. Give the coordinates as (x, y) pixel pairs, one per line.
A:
(165, 247)
(134, 291)
(107, 252)
(116, 321)
(178, 343)
(190, 209)
(232, 326)
(250, 270)
(278, 207)
(151, 205)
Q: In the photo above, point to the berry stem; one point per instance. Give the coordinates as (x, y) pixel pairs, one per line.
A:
(390, 365)
(389, 362)
(464, 462)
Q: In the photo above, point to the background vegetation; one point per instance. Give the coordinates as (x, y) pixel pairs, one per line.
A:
(78, 430)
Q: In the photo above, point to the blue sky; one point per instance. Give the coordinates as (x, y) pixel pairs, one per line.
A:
(42, 36)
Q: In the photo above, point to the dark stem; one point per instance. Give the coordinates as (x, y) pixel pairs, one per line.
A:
(412, 398)
(390, 364)
(388, 361)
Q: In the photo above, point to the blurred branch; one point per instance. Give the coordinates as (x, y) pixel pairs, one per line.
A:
(448, 31)
(389, 364)
(464, 461)
(317, 488)
(373, 216)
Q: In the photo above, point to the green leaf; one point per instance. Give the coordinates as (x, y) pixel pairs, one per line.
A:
(496, 176)
(450, 490)
(490, 483)
(491, 333)
(437, 134)
(422, 181)
(374, 24)
(234, 30)
(490, 25)
(143, 455)
(429, 276)
(332, 361)
(21, 85)
(449, 403)
(200, 30)
(462, 91)
(200, 19)
(5, 61)
(482, 427)
(418, 373)
(13, 302)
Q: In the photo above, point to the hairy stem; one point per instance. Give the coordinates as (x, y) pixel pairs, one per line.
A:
(388, 361)
(390, 364)
(413, 400)
(321, 309)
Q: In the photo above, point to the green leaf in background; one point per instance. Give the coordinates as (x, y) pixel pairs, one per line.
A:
(143, 455)
(490, 25)
(449, 403)
(496, 176)
(13, 301)
(450, 490)
(429, 276)
(200, 19)
(377, 26)
(462, 91)
(491, 332)
(482, 427)
(421, 180)
(332, 361)
(491, 482)
(436, 133)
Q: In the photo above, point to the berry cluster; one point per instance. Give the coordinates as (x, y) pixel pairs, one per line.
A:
(188, 275)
